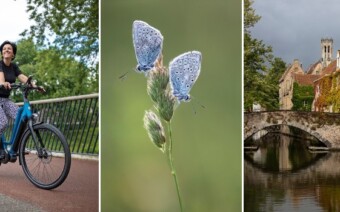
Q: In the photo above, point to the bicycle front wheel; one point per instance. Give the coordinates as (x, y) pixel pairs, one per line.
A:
(47, 161)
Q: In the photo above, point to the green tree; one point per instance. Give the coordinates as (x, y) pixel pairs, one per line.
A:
(59, 75)
(26, 53)
(261, 71)
(278, 67)
(250, 18)
(69, 25)
(303, 97)
(61, 48)
(256, 54)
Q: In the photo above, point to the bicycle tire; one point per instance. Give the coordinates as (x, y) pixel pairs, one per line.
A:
(49, 170)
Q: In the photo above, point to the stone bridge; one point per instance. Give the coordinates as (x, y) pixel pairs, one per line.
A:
(324, 126)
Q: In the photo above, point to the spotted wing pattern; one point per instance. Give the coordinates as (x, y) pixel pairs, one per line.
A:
(184, 71)
(147, 42)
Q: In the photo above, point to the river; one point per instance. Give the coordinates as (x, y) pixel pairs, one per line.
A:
(282, 174)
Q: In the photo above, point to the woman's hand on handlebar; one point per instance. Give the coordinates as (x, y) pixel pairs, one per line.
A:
(39, 88)
(6, 85)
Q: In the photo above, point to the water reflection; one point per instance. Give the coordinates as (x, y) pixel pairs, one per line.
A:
(283, 175)
(280, 153)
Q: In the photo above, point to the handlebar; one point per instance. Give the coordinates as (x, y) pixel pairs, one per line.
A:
(21, 85)
(25, 87)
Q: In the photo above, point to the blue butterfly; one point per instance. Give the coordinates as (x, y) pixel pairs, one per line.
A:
(184, 71)
(147, 42)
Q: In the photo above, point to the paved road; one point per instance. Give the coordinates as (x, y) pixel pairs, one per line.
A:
(79, 192)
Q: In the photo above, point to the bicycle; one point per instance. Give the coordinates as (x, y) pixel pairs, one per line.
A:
(43, 152)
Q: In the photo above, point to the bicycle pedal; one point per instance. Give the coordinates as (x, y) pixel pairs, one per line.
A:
(3, 156)
(13, 159)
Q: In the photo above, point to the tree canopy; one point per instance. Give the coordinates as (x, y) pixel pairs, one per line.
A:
(61, 47)
(261, 69)
(60, 76)
(69, 25)
(303, 97)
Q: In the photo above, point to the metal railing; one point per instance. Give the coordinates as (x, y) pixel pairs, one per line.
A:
(77, 117)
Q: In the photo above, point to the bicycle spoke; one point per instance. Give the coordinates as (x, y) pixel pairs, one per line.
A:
(47, 165)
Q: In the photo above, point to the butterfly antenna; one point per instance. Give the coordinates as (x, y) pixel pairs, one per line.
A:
(193, 108)
(124, 76)
(202, 106)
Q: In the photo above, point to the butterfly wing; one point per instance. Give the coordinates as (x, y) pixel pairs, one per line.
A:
(184, 71)
(147, 42)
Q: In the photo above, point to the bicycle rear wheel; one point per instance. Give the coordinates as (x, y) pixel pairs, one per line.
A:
(48, 164)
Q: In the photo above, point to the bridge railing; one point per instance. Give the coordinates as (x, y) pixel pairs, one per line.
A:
(77, 117)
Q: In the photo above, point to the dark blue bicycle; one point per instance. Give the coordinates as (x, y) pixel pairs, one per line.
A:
(42, 149)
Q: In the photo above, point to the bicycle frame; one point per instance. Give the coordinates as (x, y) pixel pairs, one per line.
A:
(27, 143)
(23, 119)
(24, 114)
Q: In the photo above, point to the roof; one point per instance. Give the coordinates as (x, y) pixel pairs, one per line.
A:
(295, 68)
(305, 79)
(312, 67)
(285, 73)
(328, 70)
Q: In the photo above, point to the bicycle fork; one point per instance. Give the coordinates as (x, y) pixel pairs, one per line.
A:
(36, 139)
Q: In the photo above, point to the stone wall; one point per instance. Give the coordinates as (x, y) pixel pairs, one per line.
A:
(324, 126)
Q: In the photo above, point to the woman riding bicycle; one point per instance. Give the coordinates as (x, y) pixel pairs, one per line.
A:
(9, 71)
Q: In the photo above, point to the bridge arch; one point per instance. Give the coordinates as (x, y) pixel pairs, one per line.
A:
(278, 128)
(323, 126)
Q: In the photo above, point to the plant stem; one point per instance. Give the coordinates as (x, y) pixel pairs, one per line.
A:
(173, 172)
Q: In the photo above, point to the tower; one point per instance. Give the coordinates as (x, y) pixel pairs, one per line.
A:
(326, 51)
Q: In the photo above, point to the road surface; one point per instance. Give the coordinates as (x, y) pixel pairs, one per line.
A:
(79, 192)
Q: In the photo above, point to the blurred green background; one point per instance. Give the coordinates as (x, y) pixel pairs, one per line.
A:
(207, 146)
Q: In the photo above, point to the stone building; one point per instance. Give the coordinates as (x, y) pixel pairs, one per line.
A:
(326, 57)
(295, 73)
(326, 51)
(286, 84)
(330, 75)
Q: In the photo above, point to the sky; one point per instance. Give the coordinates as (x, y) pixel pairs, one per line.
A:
(14, 19)
(294, 28)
